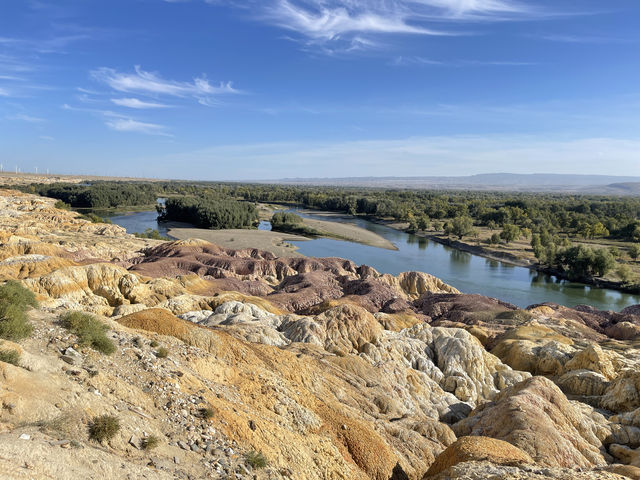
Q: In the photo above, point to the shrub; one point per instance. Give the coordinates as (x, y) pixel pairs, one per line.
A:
(14, 293)
(255, 459)
(103, 428)
(10, 356)
(207, 413)
(14, 324)
(152, 234)
(14, 301)
(625, 273)
(89, 330)
(93, 218)
(153, 344)
(150, 442)
(61, 425)
(162, 352)
(62, 205)
(495, 239)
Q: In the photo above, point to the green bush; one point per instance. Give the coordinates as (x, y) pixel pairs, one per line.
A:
(62, 205)
(255, 459)
(14, 293)
(14, 324)
(14, 301)
(10, 356)
(93, 218)
(207, 413)
(89, 330)
(150, 442)
(153, 344)
(162, 352)
(152, 234)
(103, 428)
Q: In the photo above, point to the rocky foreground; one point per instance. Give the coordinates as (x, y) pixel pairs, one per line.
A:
(326, 369)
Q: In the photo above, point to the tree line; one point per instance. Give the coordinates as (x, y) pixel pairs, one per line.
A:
(98, 195)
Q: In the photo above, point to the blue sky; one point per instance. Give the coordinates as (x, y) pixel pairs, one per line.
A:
(263, 89)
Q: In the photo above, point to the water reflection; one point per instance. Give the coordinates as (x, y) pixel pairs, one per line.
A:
(491, 263)
(459, 257)
(421, 242)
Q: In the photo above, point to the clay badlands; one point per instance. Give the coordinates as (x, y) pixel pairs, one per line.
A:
(239, 364)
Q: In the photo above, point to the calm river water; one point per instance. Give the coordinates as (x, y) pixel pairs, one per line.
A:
(467, 272)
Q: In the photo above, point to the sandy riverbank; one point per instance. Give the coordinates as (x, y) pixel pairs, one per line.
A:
(274, 242)
(336, 227)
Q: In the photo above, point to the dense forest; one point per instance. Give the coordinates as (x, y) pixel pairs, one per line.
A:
(98, 195)
(210, 212)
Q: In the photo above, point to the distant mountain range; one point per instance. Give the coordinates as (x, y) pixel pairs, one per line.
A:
(536, 182)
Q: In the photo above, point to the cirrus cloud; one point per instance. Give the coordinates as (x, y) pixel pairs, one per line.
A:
(137, 103)
(131, 125)
(152, 84)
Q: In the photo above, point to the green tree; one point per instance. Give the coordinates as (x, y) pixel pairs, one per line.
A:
(423, 222)
(634, 251)
(460, 226)
(510, 233)
(603, 262)
(625, 273)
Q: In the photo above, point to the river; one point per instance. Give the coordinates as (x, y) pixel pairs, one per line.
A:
(467, 272)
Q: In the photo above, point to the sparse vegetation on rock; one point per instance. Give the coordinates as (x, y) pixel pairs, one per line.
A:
(90, 331)
(15, 299)
(104, 428)
(255, 459)
(162, 352)
(150, 442)
(10, 356)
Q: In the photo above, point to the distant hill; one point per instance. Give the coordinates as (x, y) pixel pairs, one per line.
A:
(536, 182)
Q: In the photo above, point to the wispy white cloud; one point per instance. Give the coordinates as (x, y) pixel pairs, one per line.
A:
(26, 118)
(52, 44)
(122, 123)
(567, 38)
(417, 60)
(137, 103)
(4, 92)
(350, 25)
(131, 125)
(150, 83)
(319, 19)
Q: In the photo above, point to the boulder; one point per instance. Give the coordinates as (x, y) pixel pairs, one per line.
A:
(622, 331)
(535, 416)
(622, 395)
(468, 449)
(583, 382)
(534, 348)
(595, 359)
